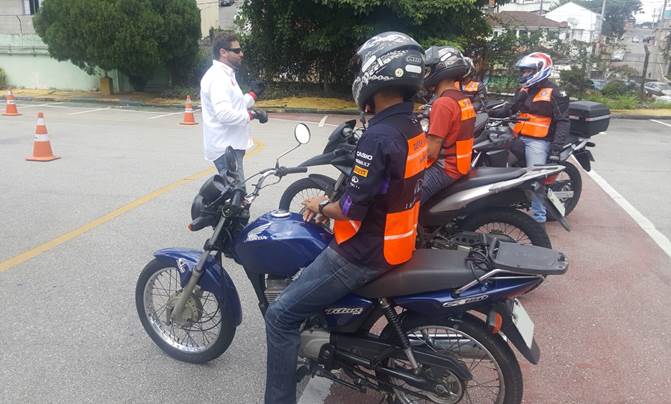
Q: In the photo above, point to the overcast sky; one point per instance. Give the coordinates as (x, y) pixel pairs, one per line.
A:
(651, 8)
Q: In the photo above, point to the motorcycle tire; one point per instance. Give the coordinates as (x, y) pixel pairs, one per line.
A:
(304, 185)
(475, 330)
(574, 183)
(531, 230)
(221, 342)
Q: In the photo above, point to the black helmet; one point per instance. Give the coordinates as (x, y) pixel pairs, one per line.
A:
(389, 59)
(443, 62)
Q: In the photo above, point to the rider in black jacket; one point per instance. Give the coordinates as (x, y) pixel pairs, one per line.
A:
(545, 124)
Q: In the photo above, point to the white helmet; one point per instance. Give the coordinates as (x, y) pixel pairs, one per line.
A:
(540, 65)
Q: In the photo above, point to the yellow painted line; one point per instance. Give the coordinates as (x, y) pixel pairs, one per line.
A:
(42, 248)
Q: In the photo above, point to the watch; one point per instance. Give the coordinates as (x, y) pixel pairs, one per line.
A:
(322, 205)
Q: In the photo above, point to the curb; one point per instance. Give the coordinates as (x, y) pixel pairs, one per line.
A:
(272, 109)
(119, 102)
(639, 117)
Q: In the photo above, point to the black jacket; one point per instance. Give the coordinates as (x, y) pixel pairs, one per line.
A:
(557, 109)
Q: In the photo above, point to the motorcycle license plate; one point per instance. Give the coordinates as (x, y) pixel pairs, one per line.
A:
(556, 202)
(523, 322)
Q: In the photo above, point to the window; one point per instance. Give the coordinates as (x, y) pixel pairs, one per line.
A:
(31, 6)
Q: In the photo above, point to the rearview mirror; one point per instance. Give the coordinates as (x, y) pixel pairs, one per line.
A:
(302, 133)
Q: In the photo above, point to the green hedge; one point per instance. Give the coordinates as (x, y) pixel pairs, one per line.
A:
(3, 79)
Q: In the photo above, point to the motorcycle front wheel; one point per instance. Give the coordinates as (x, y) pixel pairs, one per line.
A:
(298, 191)
(204, 331)
(496, 375)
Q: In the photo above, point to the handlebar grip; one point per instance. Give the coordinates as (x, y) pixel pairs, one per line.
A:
(237, 197)
(293, 170)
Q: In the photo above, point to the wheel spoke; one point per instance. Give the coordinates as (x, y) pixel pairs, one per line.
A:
(202, 311)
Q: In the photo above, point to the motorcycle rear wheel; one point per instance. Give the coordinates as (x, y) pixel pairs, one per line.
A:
(497, 378)
(508, 223)
(207, 333)
(568, 181)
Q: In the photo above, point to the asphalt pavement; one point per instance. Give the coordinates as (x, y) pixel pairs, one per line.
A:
(77, 232)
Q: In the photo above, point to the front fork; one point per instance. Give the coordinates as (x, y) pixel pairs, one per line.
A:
(177, 311)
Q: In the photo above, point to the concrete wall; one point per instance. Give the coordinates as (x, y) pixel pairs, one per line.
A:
(26, 61)
(11, 7)
(209, 16)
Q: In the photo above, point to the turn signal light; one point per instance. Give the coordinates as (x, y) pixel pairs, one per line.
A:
(551, 179)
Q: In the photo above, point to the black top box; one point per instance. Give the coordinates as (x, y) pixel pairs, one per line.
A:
(588, 118)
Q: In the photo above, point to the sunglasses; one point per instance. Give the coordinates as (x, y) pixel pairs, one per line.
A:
(235, 50)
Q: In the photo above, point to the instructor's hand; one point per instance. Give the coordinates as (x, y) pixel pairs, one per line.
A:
(259, 114)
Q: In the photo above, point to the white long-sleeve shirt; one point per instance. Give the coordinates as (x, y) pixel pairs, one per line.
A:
(225, 116)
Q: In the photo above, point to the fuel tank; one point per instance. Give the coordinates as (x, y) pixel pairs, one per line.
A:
(280, 243)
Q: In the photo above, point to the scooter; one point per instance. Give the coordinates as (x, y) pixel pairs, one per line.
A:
(452, 317)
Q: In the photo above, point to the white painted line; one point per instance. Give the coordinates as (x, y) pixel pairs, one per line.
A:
(638, 217)
(660, 122)
(57, 105)
(171, 114)
(33, 106)
(90, 110)
(297, 120)
(316, 391)
(323, 121)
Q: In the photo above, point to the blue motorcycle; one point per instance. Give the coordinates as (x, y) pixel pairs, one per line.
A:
(437, 329)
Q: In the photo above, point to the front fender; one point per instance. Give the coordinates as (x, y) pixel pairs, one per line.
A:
(324, 182)
(215, 279)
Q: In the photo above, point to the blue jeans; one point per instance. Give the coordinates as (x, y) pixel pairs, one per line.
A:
(435, 180)
(536, 153)
(329, 278)
(221, 165)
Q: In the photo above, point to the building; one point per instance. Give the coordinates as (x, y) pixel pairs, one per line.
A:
(529, 6)
(525, 23)
(26, 61)
(584, 24)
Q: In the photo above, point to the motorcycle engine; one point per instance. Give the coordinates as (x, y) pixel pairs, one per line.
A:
(275, 286)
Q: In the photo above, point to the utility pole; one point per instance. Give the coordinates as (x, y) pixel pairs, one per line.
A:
(596, 47)
(645, 70)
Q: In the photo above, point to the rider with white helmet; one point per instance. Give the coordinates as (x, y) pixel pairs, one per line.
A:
(544, 110)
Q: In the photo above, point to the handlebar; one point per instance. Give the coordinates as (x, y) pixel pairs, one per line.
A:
(282, 171)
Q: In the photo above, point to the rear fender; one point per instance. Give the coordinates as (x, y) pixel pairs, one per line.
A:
(585, 159)
(215, 279)
(505, 309)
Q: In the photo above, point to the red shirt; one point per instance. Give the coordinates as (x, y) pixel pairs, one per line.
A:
(445, 123)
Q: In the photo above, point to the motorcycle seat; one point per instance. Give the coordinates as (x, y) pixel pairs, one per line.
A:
(480, 121)
(428, 271)
(478, 177)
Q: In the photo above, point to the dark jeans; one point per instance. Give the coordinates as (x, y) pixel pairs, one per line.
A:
(329, 278)
(221, 165)
(435, 180)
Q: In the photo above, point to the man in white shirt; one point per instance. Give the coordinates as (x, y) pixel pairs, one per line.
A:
(227, 112)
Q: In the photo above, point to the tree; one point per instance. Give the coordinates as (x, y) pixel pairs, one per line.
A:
(616, 14)
(315, 39)
(133, 36)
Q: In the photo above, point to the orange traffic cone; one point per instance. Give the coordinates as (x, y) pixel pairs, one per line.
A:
(11, 110)
(189, 119)
(41, 146)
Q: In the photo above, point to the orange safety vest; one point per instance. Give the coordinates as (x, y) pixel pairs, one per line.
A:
(537, 126)
(463, 147)
(400, 229)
